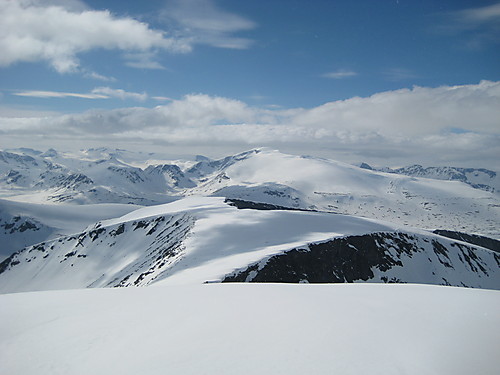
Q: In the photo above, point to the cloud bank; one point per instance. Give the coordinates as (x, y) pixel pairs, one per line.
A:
(457, 125)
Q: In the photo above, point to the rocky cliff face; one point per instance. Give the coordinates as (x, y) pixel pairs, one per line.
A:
(380, 257)
(475, 239)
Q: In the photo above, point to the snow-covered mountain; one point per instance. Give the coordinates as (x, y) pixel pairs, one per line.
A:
(325, 185)
(202, 233)
(80, 179)
(101, 176)
(478, 178)
(260, 175)
(199, 240)
(60, 235)
(390, 257)
(24, 224)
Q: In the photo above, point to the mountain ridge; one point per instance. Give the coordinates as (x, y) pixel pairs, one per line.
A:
(478, 178)
(199, 240)
(235, 212)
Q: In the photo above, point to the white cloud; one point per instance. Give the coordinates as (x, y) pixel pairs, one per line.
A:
(474, 17)
(72, 5)
(480, 26)
(389, 128)
(99, 77)
(58, 94)
(119, 93)
(162, 98)
(201, 21)
(339, 74)
(143, 60)
(24, 112)
(416, 112)
(57, 32)
(203, 110)
(97, 93)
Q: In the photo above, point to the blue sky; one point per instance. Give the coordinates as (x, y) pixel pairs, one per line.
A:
(251, 63)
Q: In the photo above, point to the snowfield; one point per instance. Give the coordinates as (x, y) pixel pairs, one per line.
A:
(252, 329)
(209, 241)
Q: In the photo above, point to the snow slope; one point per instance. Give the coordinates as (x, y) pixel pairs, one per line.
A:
(149, 241)
(203, 239)
(252, 329)
(24, 224)
(269, 176)
(478, 178)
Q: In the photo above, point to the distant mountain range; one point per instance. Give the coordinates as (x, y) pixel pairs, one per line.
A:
(478, 178)
(107, 218)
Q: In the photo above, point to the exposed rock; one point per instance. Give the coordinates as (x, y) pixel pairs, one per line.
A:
(379, 257)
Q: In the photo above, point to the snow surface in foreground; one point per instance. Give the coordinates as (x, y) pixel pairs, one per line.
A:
(252, 329)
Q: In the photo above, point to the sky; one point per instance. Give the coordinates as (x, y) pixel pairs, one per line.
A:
(388, 82)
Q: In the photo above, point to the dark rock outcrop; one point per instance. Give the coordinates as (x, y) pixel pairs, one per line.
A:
(379, 257)
(474, 239)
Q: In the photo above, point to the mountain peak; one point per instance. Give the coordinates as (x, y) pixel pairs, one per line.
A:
(202, 158)
(366, 166)
(50, 153)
